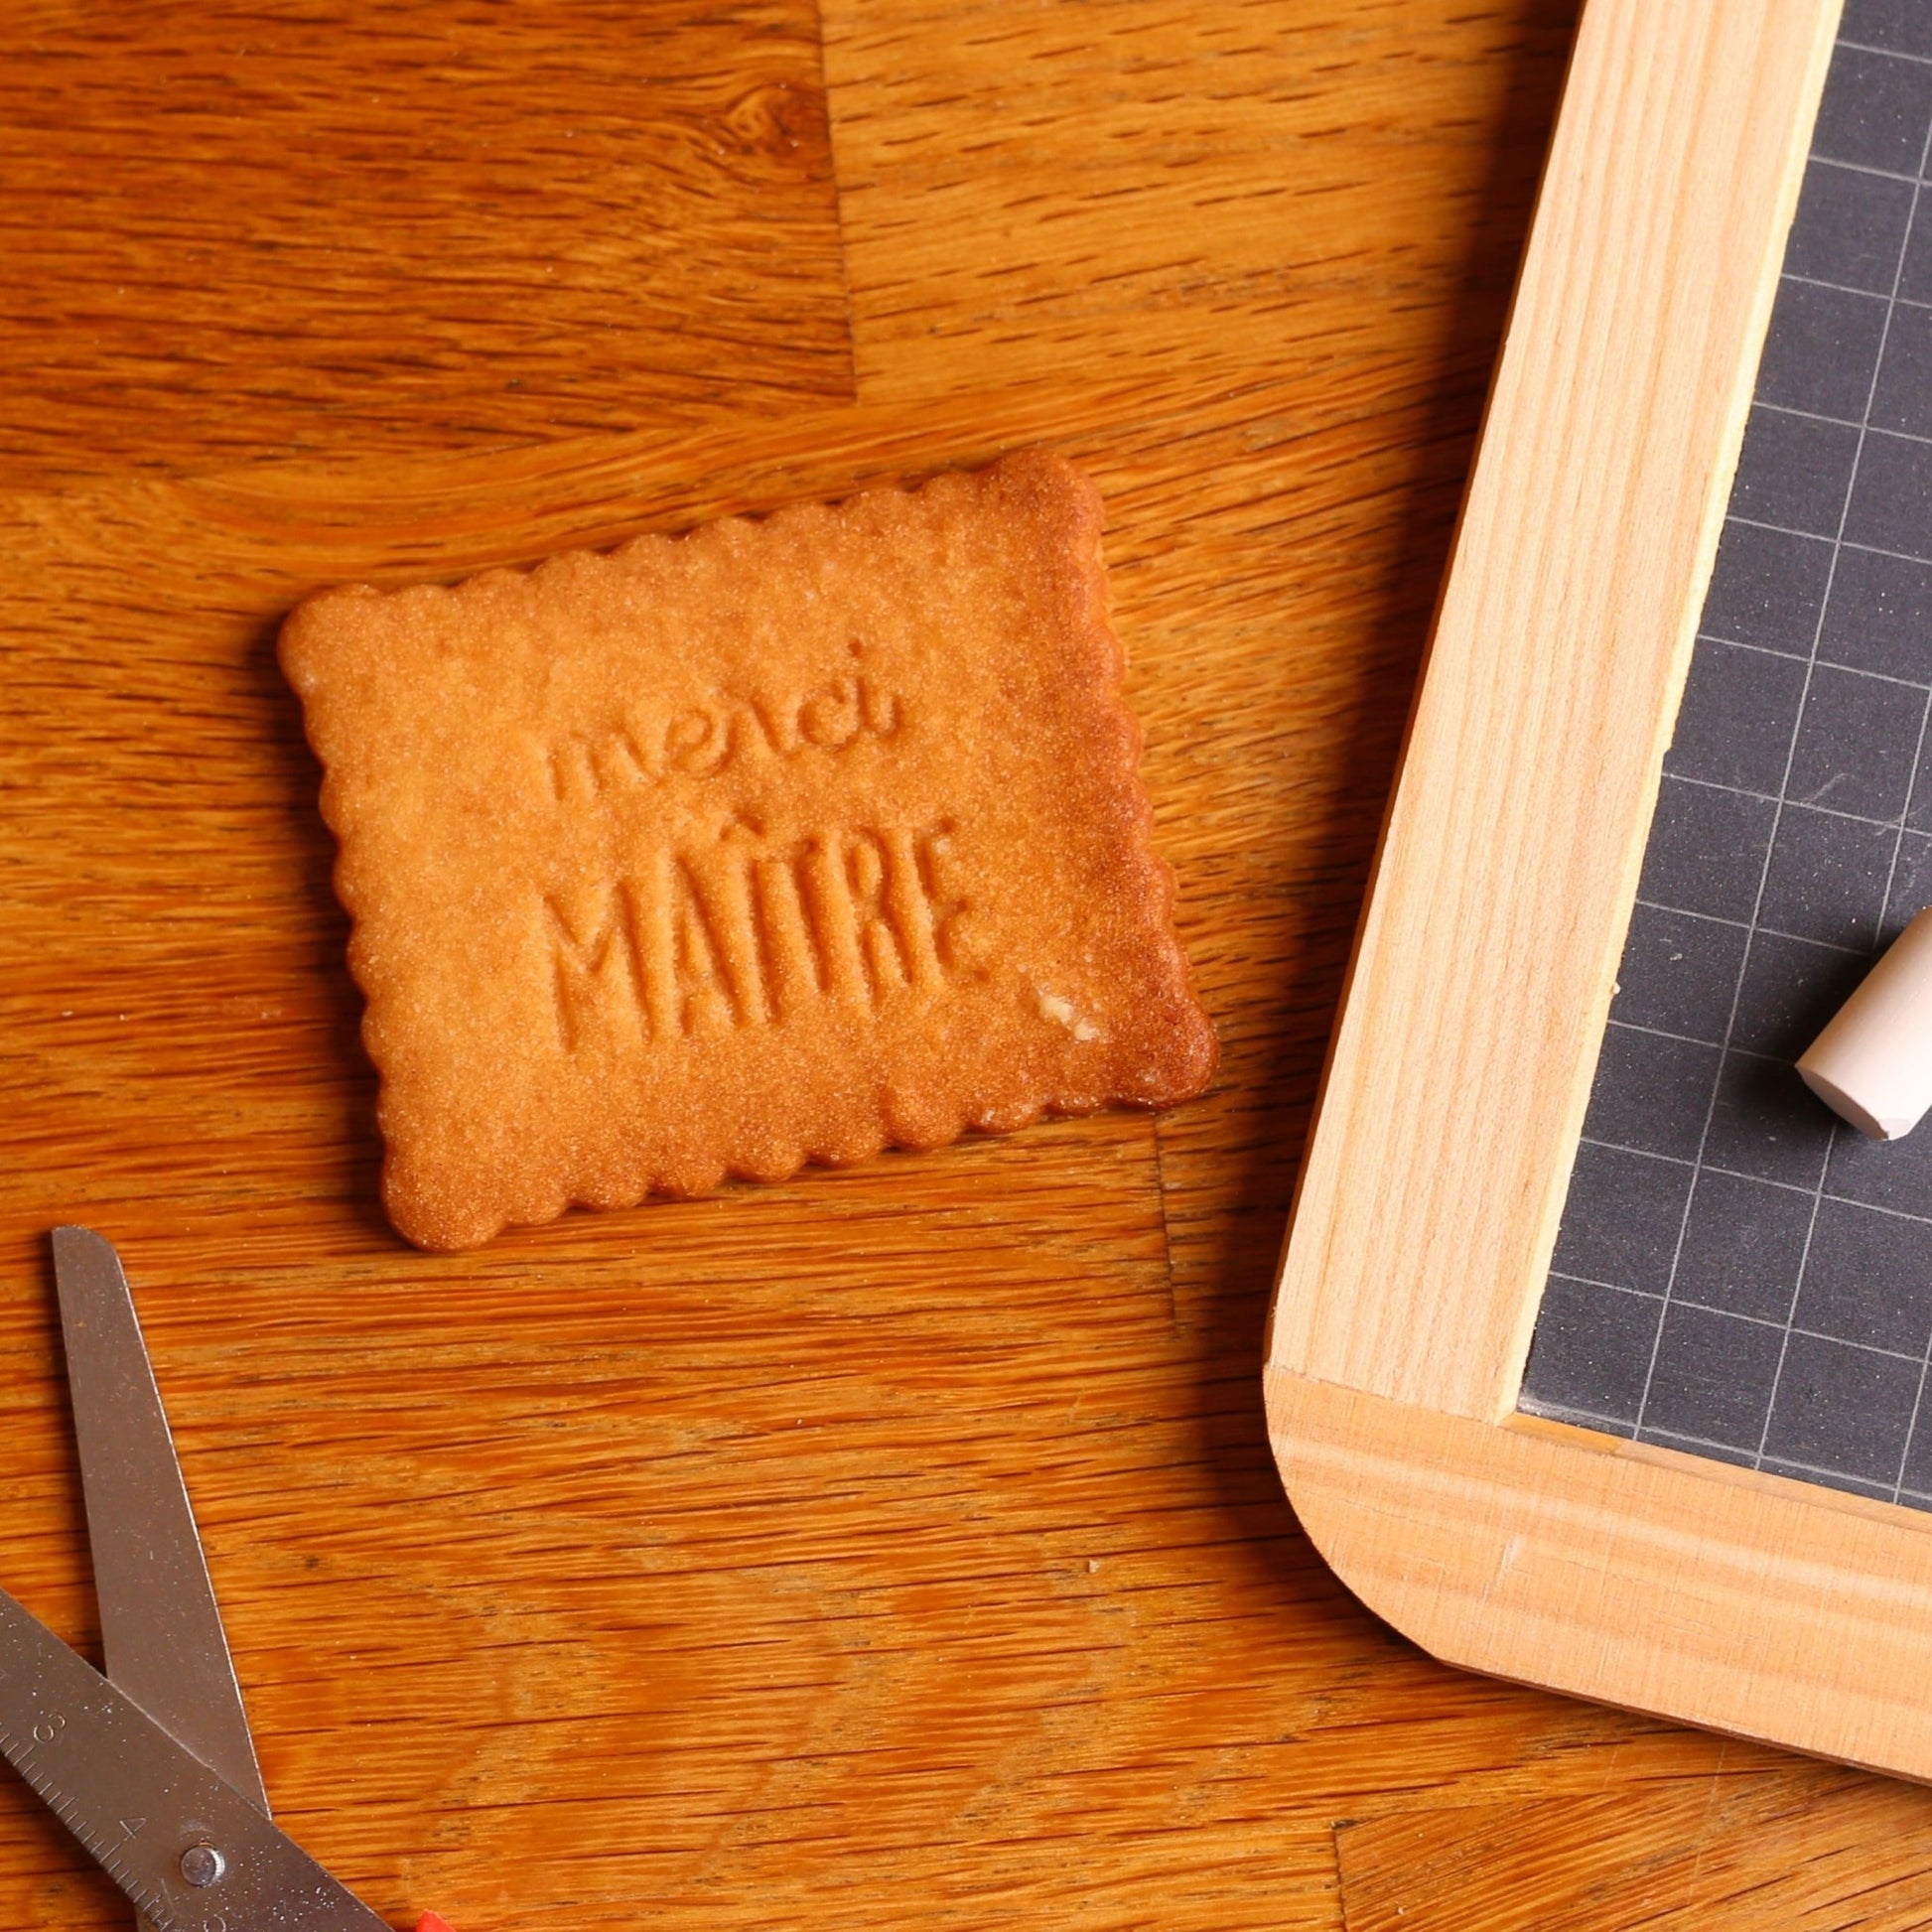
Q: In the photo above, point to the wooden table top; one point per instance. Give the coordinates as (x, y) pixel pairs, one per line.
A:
(898, 1546)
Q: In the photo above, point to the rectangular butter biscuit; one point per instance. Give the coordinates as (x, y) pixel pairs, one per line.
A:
(710, 856)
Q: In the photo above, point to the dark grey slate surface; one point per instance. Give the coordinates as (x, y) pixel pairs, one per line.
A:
(1739, 1275)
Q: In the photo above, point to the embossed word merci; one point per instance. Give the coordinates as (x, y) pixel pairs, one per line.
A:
(748, 934)
(716, 731)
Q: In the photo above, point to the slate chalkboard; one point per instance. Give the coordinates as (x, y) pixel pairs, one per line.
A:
(1739, 1275)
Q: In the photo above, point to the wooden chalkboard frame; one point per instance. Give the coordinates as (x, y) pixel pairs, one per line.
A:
(1483, 970)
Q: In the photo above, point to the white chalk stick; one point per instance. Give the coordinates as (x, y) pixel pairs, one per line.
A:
(1873, 1063)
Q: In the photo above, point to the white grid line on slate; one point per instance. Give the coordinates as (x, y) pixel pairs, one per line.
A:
(1918, 435)
(1894, 823)
(1727, 1452)
(1817, 1194)
(1840, 543)
(1763, 1179)
(1718, 1045)
(1912, 1355)
(1837, 288)
(1769, 931)
(1890, 53)
(1823, 664)
(1812, 415)
(1864, 167)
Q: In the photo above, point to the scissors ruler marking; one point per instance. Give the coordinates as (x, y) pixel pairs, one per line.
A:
(47, 1787)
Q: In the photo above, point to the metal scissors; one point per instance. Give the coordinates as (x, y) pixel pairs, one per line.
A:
(150, 1767)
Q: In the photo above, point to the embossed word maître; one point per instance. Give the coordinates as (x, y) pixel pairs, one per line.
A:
(783, 841)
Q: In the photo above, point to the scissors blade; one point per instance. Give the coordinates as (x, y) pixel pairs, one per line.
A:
(161, 1629)
(138, 1800)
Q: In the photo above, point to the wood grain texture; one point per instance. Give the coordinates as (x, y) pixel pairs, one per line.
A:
(896, 1547)
(1675, 1857)
(260, 228)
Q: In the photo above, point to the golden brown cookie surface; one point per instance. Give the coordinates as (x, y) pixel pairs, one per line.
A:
(713, 855)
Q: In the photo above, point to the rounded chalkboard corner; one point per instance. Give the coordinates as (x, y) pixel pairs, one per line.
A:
(1652, 1582)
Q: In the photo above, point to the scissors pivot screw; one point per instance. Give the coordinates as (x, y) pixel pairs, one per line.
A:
(201, 1865)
